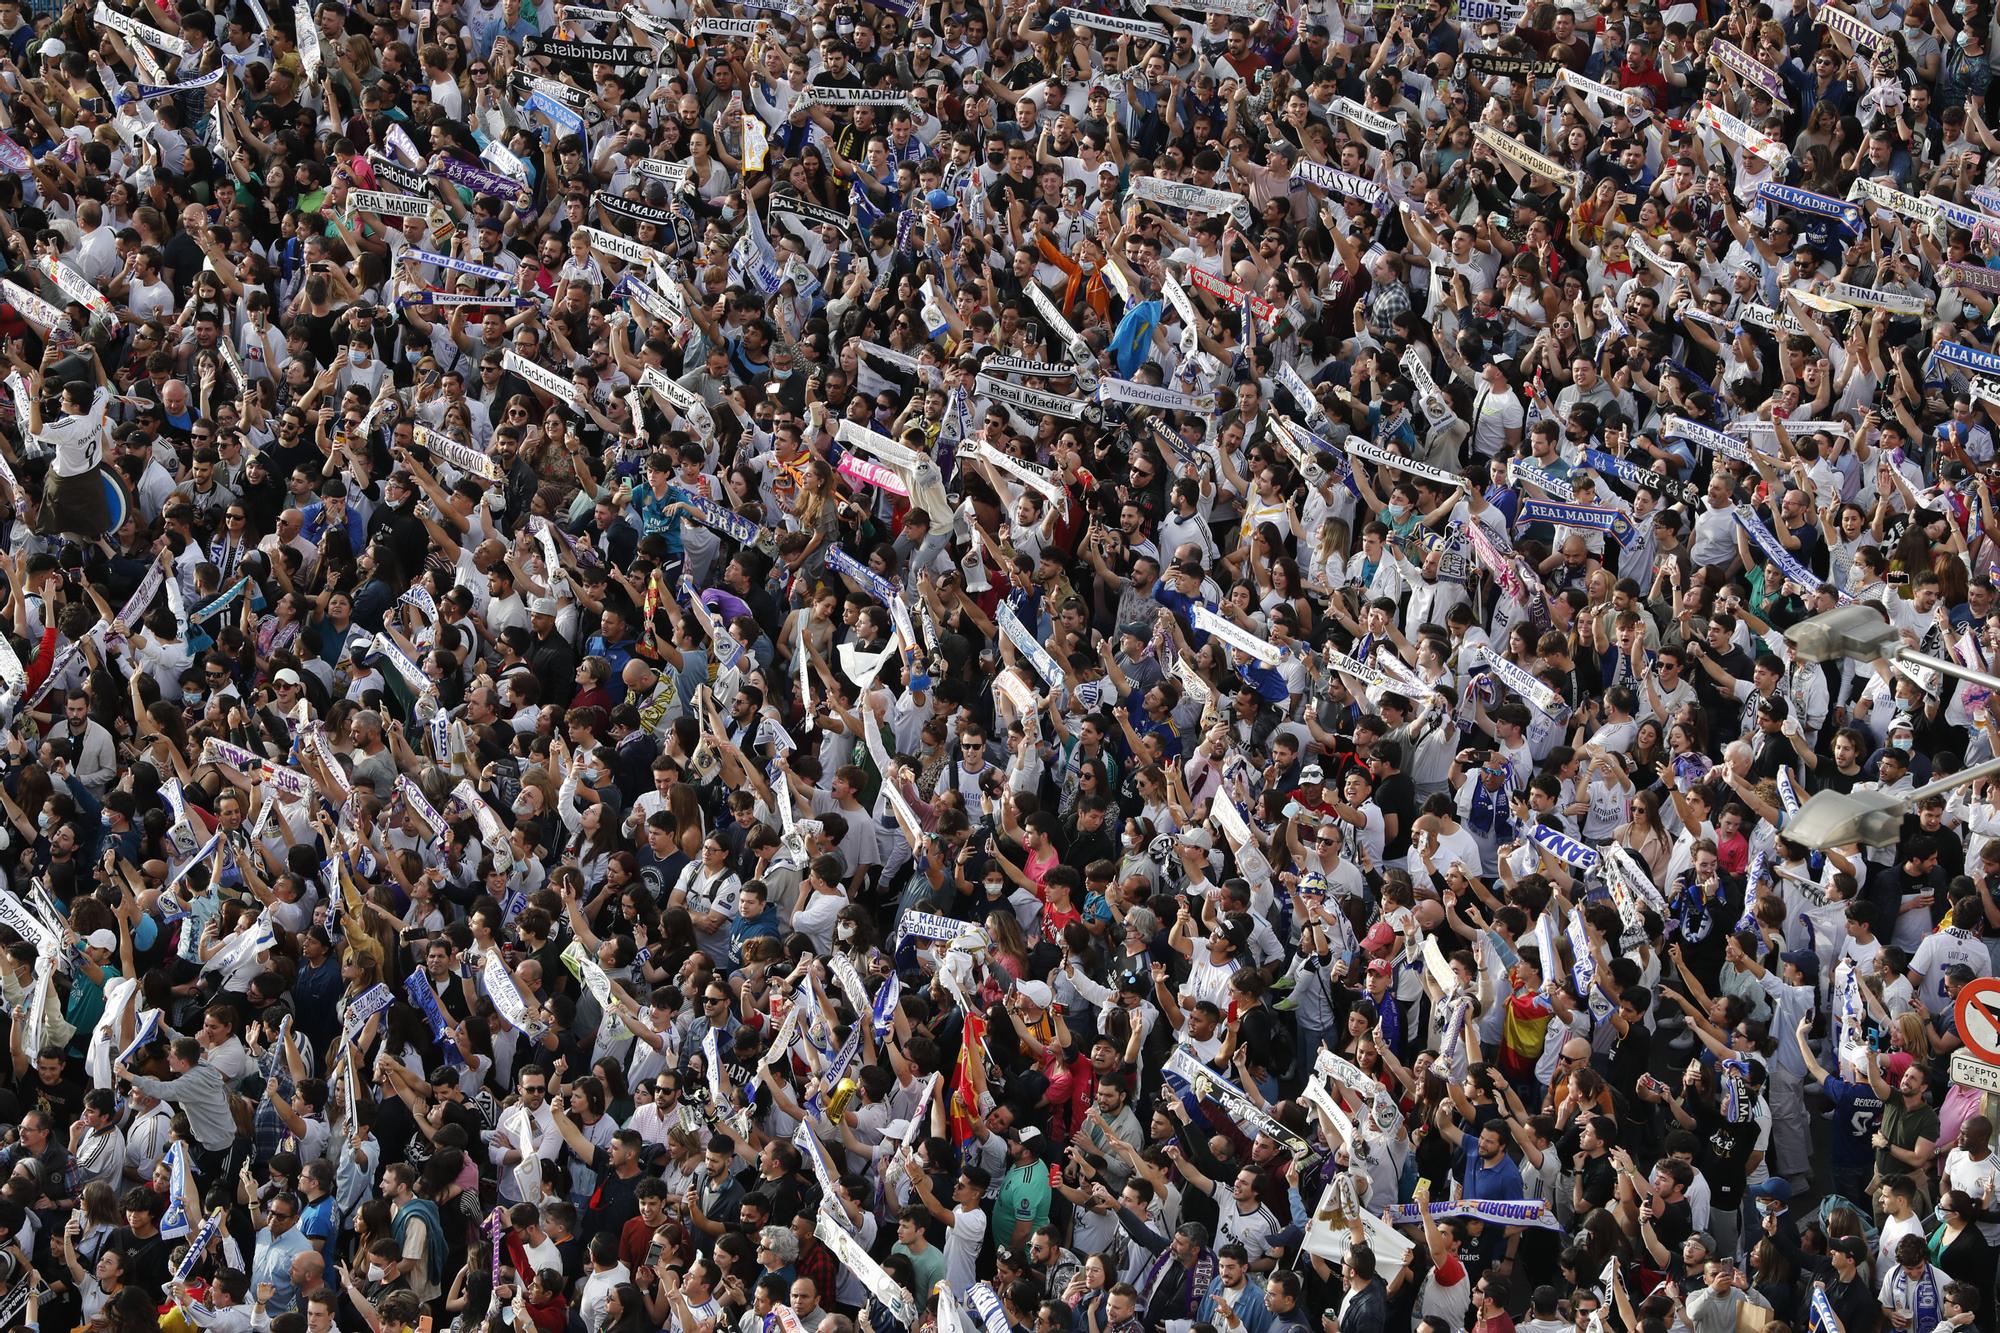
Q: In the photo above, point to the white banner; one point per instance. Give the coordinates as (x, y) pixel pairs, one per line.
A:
(1113, 390)
(1526, 158)
(1193, 198)
(1358, 115)
(556, 386)
(1362, 449)
(171, 43)
(1118, 23)
(33, 309)
(848, 1252)
(682, 399)
(386, 205)
(1025, 473)
(1211, 622)
(498, 984)
(623, 248)
(307, 31)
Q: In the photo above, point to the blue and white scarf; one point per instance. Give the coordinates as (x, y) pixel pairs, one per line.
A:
(1591, 517)
(456, 265)
(1583, 967)
(1493, 1212)
(1712, 440)
(840, 562)
(1564, 848)
(1967, 358)
(1774, 550)
(1848, 215)
(424, 997)
(1026, 644)
(1531, 688)
(1918, 1295)
(712, 515)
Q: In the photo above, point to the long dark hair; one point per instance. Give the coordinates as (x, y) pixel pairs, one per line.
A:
(631, 1311)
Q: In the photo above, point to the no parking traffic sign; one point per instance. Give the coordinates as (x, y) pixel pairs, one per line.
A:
(1978, 1017)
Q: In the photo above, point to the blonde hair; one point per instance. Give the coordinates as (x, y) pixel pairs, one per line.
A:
(1916, 1039)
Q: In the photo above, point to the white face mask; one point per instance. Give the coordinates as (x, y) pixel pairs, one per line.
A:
(844, 931)
(995, 887)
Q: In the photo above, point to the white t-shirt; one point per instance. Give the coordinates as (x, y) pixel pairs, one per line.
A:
(1962, 1173)
(1252, 1230)
(148, 300)
(961, 1247)
(1496, 413)
(1939, 951)
(1458, 846)
(78, 440)
(1893, 1231)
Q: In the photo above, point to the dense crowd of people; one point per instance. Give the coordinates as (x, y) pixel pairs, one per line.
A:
(799, 667)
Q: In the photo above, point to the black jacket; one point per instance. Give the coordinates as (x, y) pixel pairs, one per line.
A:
(1367, 1310)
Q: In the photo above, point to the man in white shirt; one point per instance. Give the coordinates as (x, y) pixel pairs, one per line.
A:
(820, 899)
(1714, 543)
(605, 1276)
(533, 1085)
(146, 295)
(965, 1220)
(97, 247)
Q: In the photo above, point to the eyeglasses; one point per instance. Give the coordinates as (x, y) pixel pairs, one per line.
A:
(715, 999)
(478, 71)
(277, 1216)
(237, 518)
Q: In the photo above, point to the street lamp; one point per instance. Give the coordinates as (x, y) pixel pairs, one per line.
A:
(1873, 818)
(1858, 630)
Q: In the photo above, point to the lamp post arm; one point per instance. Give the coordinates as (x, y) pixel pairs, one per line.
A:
(1989, 768)
(1947, 667)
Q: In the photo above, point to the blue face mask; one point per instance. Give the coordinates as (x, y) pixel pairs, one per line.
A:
(191, 697)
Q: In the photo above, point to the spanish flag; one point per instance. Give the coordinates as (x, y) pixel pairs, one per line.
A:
(965, 1114)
